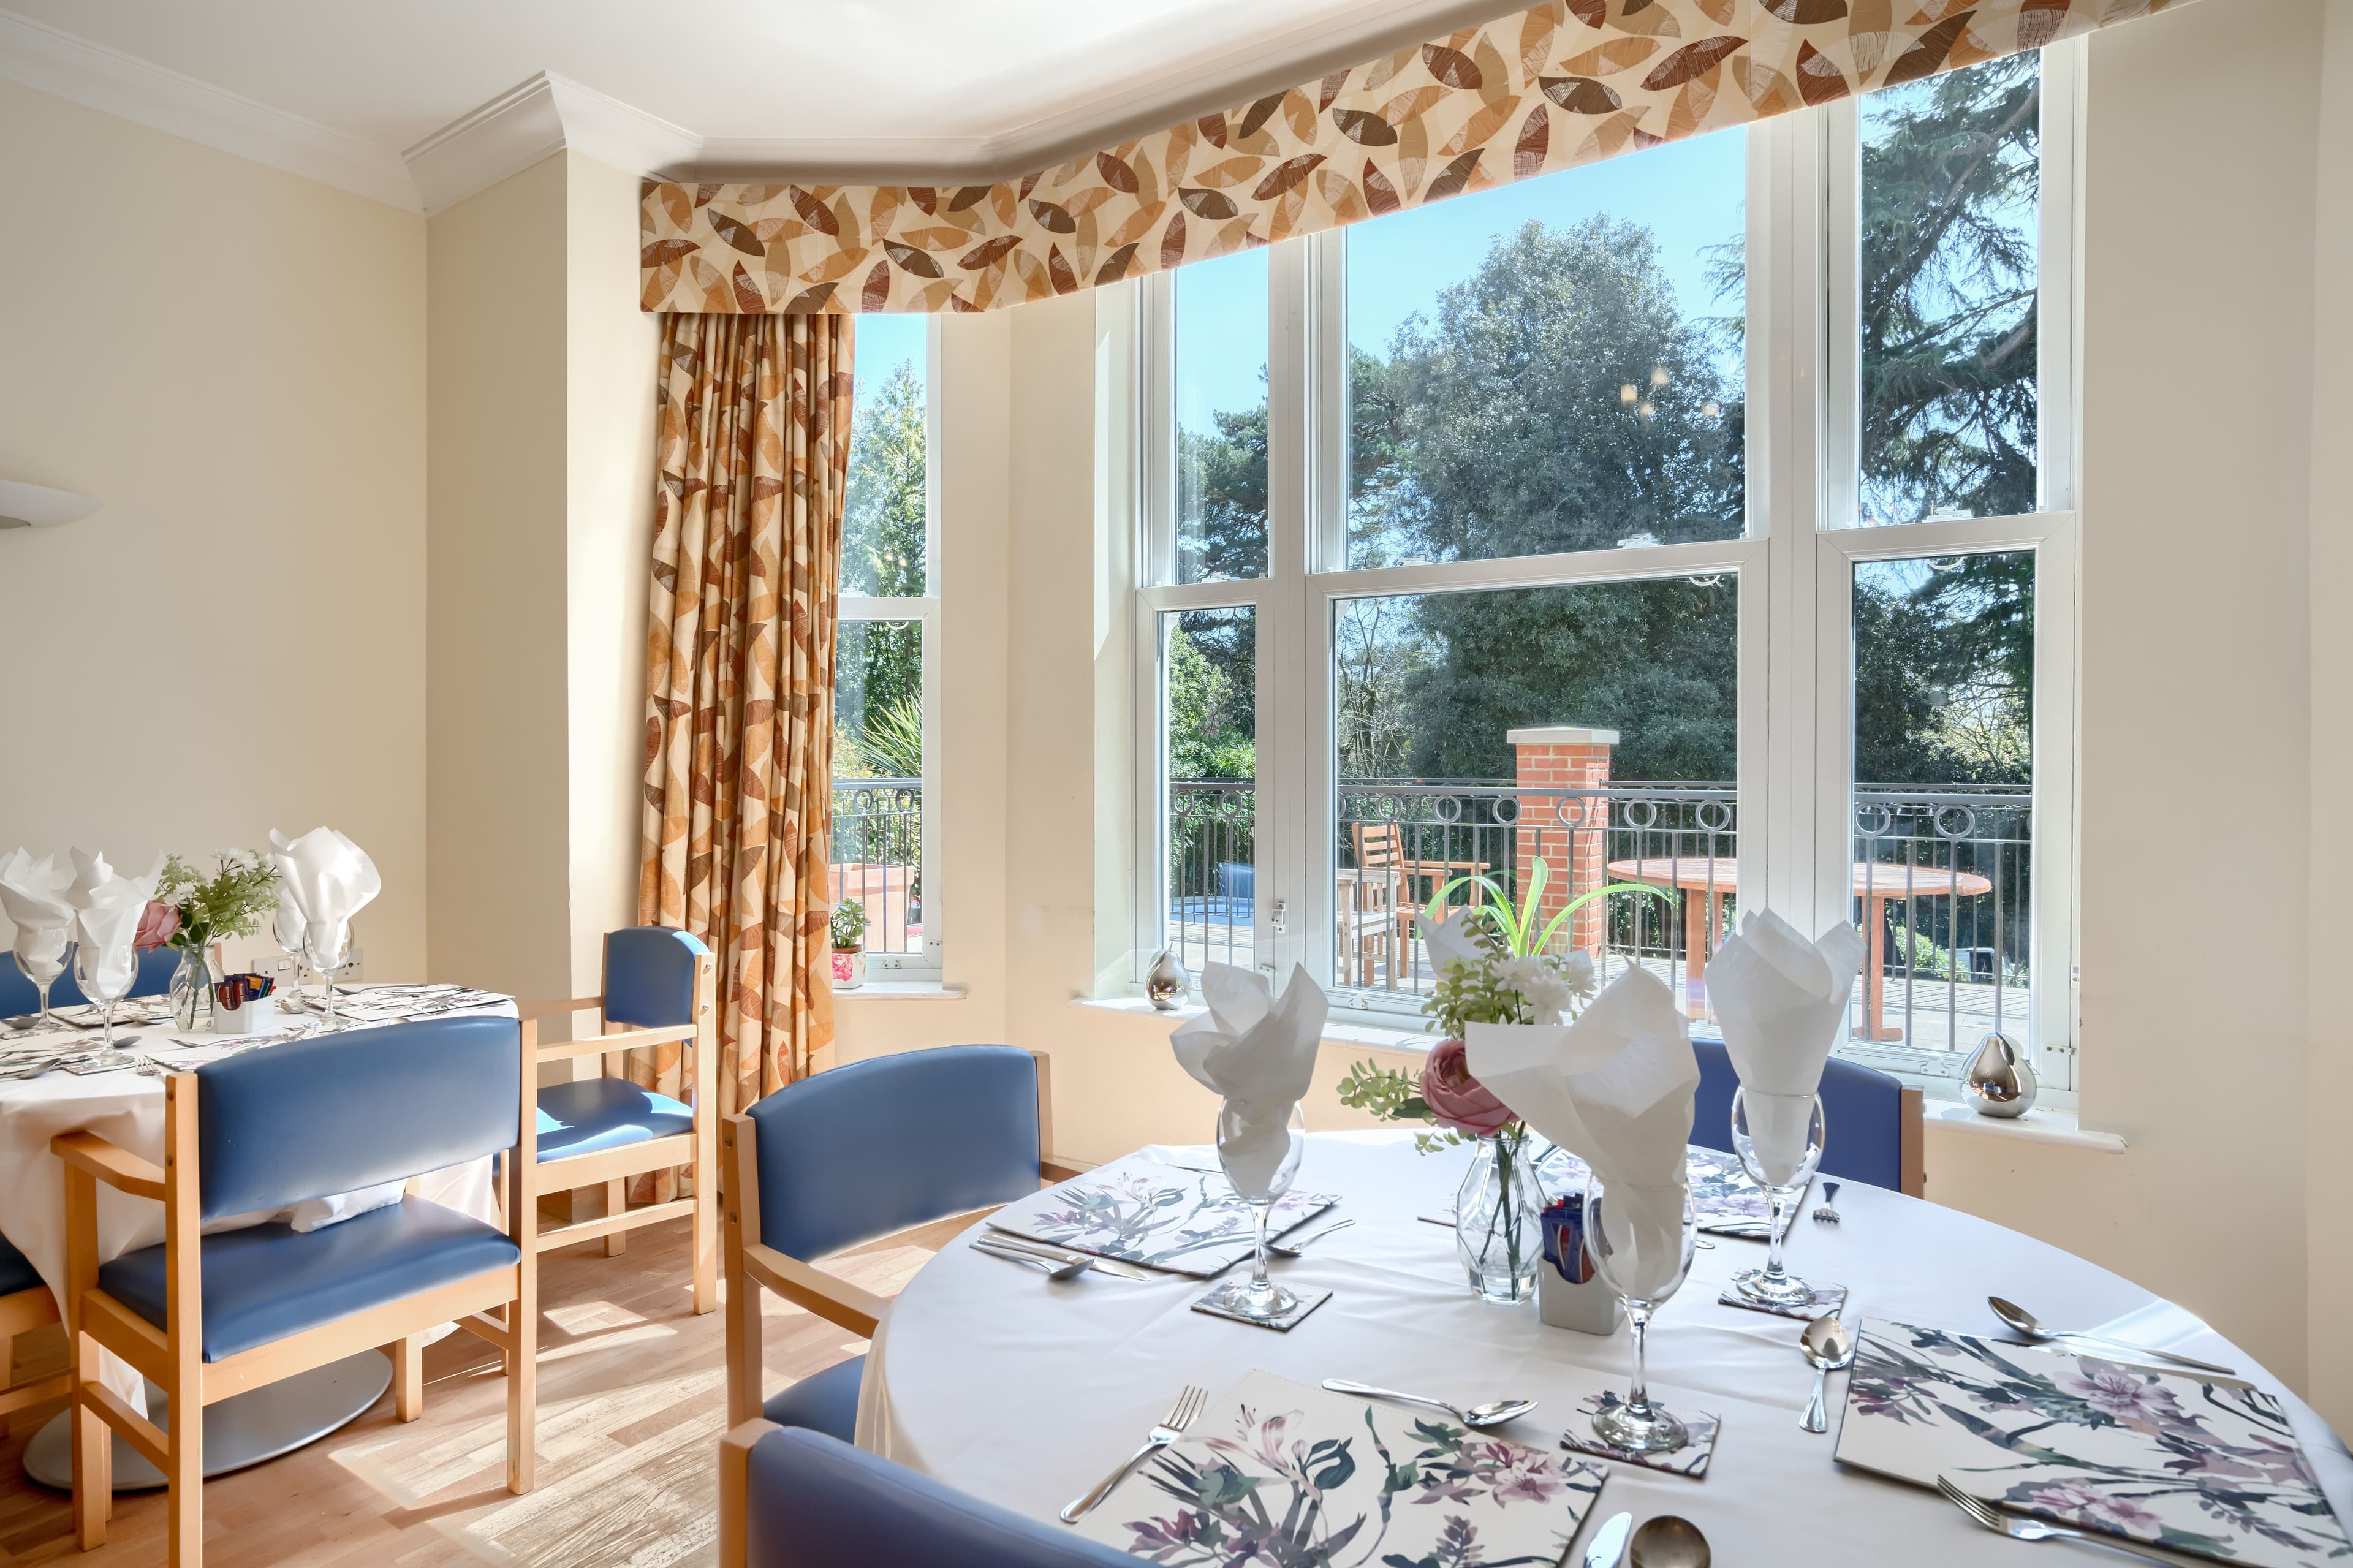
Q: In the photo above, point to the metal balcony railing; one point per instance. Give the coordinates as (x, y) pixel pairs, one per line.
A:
(878, 858)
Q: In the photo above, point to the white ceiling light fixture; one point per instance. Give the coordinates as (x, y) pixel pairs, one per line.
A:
(38, 506)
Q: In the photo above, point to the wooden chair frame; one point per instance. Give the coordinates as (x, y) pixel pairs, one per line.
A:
(1912, 1145)
(20, 1314)
(735, 1487)
(172, 1356)
(751, 1265)
(613, 1168)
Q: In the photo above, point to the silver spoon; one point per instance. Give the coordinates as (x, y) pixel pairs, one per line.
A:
(1668, 1541)
(2026, 1323)
(1494, 1412)
(1292, 1249)
(1830, 1345)
(1052, 1271)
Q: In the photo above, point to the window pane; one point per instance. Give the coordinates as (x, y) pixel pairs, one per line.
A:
(1594, 726)
(1944, 747)
(1551, 365)
(1951, 180)
(878, 780)
(1221, 418)
(883, 551)
(1209, 684)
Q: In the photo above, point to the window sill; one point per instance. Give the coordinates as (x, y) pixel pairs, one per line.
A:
(1337, 1031)
(902, 990)
(2043, 1125)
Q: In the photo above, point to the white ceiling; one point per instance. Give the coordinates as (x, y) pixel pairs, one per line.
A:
(880, 87)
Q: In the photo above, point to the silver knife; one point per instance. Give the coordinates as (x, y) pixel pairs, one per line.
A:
(1609, 1541)
(1110, 1266)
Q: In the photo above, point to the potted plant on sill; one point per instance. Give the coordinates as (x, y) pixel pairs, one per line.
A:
(849, 945)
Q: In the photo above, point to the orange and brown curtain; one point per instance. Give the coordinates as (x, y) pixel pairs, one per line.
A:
(1533, 93)
(752, 454)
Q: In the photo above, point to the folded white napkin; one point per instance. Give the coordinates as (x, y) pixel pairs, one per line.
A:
(1259, 1055)
(1614, 1087)
(1781, 1000)
(1448, 939)
(33, 892)
(327, 877)
(107, 909)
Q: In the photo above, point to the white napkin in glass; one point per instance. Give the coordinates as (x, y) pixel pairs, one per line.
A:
(1614, 1087)
(33, 892)
(1260, 1055)
(324, 876)
(1448, 939)
(107, 910)
(1781, 1001)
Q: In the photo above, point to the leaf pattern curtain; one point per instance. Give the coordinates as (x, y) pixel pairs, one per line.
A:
(1536, 91)
(752, 446)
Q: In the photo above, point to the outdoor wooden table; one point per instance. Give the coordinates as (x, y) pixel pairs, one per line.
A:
(1875, 881)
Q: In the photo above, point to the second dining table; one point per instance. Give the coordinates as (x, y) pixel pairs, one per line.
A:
(1022, 1389)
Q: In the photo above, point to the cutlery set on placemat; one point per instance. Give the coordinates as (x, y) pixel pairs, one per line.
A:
(67, 1046)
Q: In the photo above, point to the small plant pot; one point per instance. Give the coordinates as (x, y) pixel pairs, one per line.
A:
(849, 968)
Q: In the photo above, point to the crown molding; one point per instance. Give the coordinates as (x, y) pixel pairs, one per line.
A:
(46, 59)
(531, 120)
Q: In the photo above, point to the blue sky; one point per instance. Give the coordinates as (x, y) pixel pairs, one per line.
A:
(885, 341)
(1689, 195)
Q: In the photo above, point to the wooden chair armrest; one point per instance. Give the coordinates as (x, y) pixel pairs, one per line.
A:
(116, 1166)
(811, 1289)
(735, 1488)
(558, 1009)
(625, 1040)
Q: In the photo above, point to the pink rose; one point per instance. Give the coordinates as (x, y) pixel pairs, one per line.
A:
(156, 924)
(1455, 1097)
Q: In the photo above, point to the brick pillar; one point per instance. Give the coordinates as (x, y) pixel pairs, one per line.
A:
(1570, 832)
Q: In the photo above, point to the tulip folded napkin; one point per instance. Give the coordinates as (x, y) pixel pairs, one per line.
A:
(1781, 1000)
(1258, 1054)
(324, 876)
(1615, 1088)
(33, 892)
(107, 907)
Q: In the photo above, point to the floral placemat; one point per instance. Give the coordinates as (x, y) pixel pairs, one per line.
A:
(1274, 1471)
(1691, 1460)
(1726, 1201)
(1826, 1300)
(1187, 1222)
(2167, 1459)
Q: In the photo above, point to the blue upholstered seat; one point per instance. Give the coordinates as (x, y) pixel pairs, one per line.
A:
(812, 1501)
(19, 995)
(598, 1113)
(1862, 1116)
(17, 1273)
(269, 1282)
(823, 1402)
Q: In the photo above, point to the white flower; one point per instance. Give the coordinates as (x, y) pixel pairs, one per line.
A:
(1578, 973)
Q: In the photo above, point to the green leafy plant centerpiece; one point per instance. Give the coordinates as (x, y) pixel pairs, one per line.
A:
(205, 911)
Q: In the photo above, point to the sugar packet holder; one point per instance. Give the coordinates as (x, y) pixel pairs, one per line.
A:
(1569, 1294)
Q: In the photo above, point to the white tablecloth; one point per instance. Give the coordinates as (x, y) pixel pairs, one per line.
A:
(1012, 1387)
(127, 1109)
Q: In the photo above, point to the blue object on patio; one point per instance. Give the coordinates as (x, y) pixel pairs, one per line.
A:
(1862, 1111)
(592, 1114)
(811, 1502)
(1236, 882)
(19, 995)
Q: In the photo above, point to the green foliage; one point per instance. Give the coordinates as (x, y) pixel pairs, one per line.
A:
(878, 700)
(242, 889)
(883, 515)
(888, 745)
(1209, 732)
(1393, 1094)
(849, 924)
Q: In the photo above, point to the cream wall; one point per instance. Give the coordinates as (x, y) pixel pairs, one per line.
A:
(2201, 450)
(229, 359)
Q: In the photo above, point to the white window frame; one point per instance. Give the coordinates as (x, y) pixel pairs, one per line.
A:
(1794, 565)
(925, 966)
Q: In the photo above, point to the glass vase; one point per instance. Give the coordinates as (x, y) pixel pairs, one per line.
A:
(1499, 1219)
(191, 989)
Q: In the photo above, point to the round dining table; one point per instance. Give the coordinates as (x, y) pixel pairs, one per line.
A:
(1025, 1391)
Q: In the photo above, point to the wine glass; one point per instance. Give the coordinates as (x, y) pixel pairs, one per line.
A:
(41, 954)
(327, 944)
(287, 928)
(1260, 1157)
(106, 978)
(1640, 1242)
(1774, 1285)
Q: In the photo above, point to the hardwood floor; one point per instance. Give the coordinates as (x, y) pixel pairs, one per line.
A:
(631, 1405)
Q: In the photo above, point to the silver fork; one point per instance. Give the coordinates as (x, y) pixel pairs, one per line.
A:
(1181, 1414)
(1292, 1249)
(2017, 1528)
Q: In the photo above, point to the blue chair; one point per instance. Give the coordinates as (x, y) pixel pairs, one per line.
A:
(208, 1316)
(659, 988)
(26, 1304)
(965, 1128)
(1874, 1123)
(793, 1499)
(19, 995)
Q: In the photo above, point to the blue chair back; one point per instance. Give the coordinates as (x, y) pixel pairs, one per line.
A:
(19, 995)
(342, 1111)
(814, 1501)
(649, 976)
(1862, 1116)
(861, 1150)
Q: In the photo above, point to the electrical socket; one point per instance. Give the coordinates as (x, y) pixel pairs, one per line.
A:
(354, 969)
